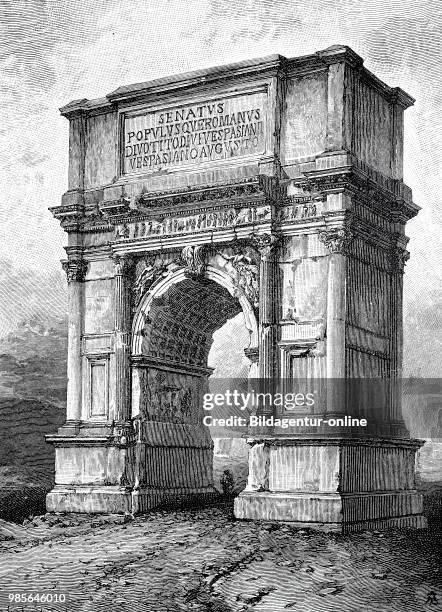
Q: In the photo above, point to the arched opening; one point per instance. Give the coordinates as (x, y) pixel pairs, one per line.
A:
(229, 362)
(173, 336)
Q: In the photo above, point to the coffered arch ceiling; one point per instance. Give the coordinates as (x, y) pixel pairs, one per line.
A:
(181, 322)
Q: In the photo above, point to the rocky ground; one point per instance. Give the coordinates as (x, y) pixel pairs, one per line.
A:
(205, 561)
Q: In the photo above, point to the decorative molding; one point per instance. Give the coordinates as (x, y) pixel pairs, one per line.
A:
(303, 348)
(337, 240)
(75, 270)
(145, 361)
(253, 186)
(70, 216)
(114, 208)
(390, 197)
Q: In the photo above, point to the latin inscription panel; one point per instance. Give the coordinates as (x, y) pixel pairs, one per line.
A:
(193, 134)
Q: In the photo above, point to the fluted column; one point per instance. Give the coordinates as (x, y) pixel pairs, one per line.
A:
(266, 245)
(337, 241)
(75, 271)
(122, 309)
(399, 257)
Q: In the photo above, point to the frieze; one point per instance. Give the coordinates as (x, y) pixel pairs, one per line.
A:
(169, 226)
(298, 211)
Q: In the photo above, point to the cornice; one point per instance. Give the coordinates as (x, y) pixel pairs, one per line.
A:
(352, 179)
(270, 66)
(238, 189)
(203, 76)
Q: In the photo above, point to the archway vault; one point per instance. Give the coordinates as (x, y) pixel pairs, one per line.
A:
(199, 304)
(172, 334)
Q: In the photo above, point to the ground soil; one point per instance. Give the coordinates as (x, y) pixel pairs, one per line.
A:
(205, 561)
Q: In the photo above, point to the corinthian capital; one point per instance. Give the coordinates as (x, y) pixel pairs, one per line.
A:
(75, 270)
(265, 244)
(337, 240)
(123, 264)
(399, 258)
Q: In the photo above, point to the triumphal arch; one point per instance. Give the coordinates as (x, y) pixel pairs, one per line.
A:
(272, 188)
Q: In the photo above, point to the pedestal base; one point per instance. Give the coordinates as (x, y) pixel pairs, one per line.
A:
(331, 512)
(336, 485)
(149, 499)
(93, 499)
(170, 467)
(117, 500)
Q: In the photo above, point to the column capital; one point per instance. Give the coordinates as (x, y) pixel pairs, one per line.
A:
(75, 269)
(336, 239)
(398, 258)
(266, 244)
(123, 264)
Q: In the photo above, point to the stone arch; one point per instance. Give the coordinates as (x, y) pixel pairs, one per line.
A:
(172, 334)
(162, 286)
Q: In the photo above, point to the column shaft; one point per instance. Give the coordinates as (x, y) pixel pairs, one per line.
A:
(337, 241)
(336, 313)
(75, 270)
(267, 308)
(122, 338)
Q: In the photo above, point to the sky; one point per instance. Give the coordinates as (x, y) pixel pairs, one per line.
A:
(54, 51)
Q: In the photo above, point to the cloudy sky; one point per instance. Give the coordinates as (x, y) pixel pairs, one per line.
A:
(53, 51)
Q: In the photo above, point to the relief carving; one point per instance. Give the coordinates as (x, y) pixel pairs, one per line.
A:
(194, 258)
(245, 275)
(168, 397)
(153, 271)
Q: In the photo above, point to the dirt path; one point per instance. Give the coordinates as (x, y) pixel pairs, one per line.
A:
(205, 561)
